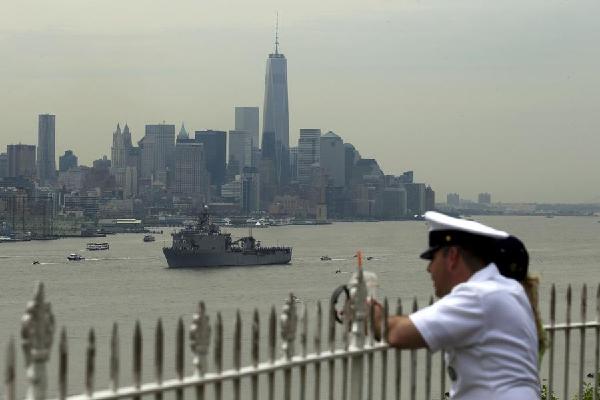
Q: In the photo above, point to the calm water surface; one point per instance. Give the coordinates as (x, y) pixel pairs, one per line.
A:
(131, 282)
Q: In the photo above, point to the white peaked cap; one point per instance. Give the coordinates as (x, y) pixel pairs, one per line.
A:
(441, 222)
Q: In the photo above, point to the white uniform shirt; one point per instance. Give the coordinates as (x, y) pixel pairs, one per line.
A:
(486, 326)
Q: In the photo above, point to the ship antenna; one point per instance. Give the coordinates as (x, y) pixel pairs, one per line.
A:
(277, 33)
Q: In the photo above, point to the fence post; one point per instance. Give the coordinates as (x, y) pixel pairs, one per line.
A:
(289, 323)
(358, 313)
(37, 332)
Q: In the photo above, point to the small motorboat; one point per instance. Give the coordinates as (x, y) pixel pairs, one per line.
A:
(97, 246)
(325, 258)
(75, 257)
(369, 258)
(36, 262)
(149, 238)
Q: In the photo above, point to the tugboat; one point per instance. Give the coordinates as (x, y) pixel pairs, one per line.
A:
(202, 244)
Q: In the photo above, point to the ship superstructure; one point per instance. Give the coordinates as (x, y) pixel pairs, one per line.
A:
(202, 244)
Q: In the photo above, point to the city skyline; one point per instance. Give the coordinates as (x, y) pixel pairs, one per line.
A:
(500, 100)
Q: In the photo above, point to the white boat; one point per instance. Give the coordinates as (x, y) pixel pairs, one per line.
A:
(149, 238)
(75, 257)
(97, 246)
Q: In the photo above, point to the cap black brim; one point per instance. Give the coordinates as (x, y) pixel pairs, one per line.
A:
(428, 254)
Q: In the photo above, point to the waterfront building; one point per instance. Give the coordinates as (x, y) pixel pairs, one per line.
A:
(240, 149)
(484, 198)
(191, 177)
(429, 199)
(351, 156)
(250, 190)
(3, 165)
(215, 147)
(21, 160)
(246, 119)
(333, 158)
(309, 152)
(46, 162)
(415, 198)
(158, 148)
(232, 191)
(453, 199)
(67, 161)
(73, 179)
(394, 202)
(276, 113)
(294, 163)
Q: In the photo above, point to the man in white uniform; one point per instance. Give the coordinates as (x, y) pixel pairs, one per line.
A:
(483, 320)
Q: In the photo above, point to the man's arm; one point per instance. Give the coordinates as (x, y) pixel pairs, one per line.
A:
(402, 333)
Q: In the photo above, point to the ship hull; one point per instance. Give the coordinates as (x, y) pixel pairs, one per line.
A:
(184, 259)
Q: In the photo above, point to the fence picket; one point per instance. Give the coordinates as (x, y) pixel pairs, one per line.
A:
(317, 350)
(552, 340)
(272, 345)
(398, 359)
(9, 371)
(158, 356)
(179, 356)
(413, 362)
(582, 339)
(137, 357)
(255, 349)
(384, 354)
(567, 346)
(113, 364)
(237, 353)
(63, 366)
(218, 355)
(90, 363)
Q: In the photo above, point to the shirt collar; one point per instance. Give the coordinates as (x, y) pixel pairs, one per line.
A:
(485, 273)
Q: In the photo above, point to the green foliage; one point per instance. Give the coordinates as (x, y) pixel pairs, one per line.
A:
(588, 391)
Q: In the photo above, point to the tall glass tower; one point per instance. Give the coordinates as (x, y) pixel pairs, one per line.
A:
(276, 122)
(46, 162)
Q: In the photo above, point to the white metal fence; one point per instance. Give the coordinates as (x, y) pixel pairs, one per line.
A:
(355, 367)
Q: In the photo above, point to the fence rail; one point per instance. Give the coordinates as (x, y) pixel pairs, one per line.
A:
(356, 367)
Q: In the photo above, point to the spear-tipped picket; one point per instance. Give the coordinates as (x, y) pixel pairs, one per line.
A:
(272, 350)
(137, 355)
(179, 356)
(63, 366)
(583, 310)
(398, 359)
(218, 355)
(317, 342)
(567, 345)
(413, 362)
(551, 339)
(159, 356)
(303, 345)
(428, 366)
(597, 352)
(384, 354)
(9, 371)
(255, 352)
(237, 353)
(114, 359)
(90, 363)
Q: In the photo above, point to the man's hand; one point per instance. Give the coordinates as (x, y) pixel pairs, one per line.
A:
(402, 333)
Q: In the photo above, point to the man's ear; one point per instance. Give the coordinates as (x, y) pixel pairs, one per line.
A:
(452, 257)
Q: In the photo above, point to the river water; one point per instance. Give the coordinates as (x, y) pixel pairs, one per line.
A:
(130, 281)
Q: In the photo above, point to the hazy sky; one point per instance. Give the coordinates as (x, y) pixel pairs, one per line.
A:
(472, 95)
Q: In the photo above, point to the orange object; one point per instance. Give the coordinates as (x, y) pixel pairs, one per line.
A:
(359, 258)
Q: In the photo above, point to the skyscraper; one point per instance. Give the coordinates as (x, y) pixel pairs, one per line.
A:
(119, 151)
(215, 146)
(333, 158)
(46, 163)
(240, 149)
(158, 148)
(21, 160)
(309, 152)
(275, 111)
(246, 119)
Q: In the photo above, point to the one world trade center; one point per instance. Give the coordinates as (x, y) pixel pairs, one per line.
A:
(276, 124)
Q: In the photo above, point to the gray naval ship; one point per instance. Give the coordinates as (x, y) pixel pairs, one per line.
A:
(203, 245)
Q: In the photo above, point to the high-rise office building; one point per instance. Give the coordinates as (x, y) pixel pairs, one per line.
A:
(191, 177)
(215, 148)
(182, 135)
(46, 162)
(309, 152)
(3, 165)
(67, 161)
(158, 148)
(333, 158)
(276, 113)
(453, 199)
(21, 160)
(246, 119)
(484, 198)
(240, 149)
